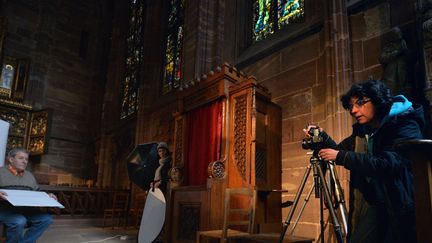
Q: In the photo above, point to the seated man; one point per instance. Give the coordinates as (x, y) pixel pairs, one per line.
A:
(14, 176)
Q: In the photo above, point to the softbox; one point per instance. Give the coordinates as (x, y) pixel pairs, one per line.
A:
(142, 163)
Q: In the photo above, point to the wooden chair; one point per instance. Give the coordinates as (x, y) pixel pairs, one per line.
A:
(236, 210)
(136, 211)
(118, 210)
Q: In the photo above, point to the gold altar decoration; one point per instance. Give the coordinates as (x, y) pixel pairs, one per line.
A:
(28, 128)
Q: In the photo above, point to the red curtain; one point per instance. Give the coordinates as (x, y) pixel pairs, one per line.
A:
(204, 129)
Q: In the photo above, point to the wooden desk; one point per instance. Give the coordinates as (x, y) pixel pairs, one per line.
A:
(268, 207)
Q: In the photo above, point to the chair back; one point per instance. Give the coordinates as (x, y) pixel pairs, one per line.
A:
(239, 210)
(120, 201)
(139, 201)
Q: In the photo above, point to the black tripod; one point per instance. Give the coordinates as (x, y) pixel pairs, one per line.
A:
(320, 187)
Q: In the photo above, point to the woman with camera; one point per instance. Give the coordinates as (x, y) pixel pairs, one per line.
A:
(381, 180)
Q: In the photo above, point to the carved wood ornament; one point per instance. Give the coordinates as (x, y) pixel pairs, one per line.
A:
(240, 125)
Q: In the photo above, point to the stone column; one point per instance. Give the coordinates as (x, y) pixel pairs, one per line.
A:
(338, 68)
(203, 42)
(338, 76)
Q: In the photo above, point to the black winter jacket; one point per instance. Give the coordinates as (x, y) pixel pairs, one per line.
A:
(384, 177)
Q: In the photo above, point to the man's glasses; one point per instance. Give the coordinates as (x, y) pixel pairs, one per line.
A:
(358, 103)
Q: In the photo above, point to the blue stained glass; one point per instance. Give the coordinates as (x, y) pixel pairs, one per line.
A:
(262, 13)
(269, 16)
(289, 11)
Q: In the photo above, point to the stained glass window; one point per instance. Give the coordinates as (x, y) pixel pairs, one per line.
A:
(174, 42)
(270, 16)
(134, 57)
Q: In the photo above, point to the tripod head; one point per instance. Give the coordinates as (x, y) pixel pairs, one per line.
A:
(315, 140)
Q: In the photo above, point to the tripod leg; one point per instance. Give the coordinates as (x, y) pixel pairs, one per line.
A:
(339, 196)
(322, 225)
(306, 200)
(296, 200)
(336, 225)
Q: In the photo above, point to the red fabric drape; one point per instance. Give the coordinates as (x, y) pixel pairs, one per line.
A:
(204, 129)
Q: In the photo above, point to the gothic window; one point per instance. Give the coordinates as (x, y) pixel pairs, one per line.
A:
(174, 41)
(134, 57)
(270, 16)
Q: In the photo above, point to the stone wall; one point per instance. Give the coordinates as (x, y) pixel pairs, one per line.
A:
(66, 44)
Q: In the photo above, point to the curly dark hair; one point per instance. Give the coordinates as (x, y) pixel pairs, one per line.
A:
(377, 91)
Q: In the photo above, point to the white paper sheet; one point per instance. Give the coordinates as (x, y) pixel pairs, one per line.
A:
(31, 199)
(4, 130)
(153, 217)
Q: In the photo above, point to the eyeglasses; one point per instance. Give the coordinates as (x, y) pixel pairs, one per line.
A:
(358, 103)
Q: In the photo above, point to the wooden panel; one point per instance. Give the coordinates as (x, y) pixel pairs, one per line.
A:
(189, 203)
(272, 201)
(204, 96)
(420, 151)
(238, 167)
(179, 140)
(188, 221)
(255, 135)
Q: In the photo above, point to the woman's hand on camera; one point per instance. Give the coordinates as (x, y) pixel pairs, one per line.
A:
(328, 154)
(309, 127)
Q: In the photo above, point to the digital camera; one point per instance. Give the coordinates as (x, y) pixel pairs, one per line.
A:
(315, 141)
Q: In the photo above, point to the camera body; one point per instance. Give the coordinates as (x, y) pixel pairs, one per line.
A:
(315, 141)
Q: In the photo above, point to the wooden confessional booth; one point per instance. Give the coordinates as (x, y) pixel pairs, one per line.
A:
(227, 135)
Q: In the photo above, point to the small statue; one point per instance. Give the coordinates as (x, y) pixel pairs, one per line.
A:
(176, 176)
(395, 57)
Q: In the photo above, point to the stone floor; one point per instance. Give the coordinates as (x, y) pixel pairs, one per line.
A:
(86, 230)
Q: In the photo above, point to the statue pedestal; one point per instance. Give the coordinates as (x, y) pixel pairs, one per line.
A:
(420, 151)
